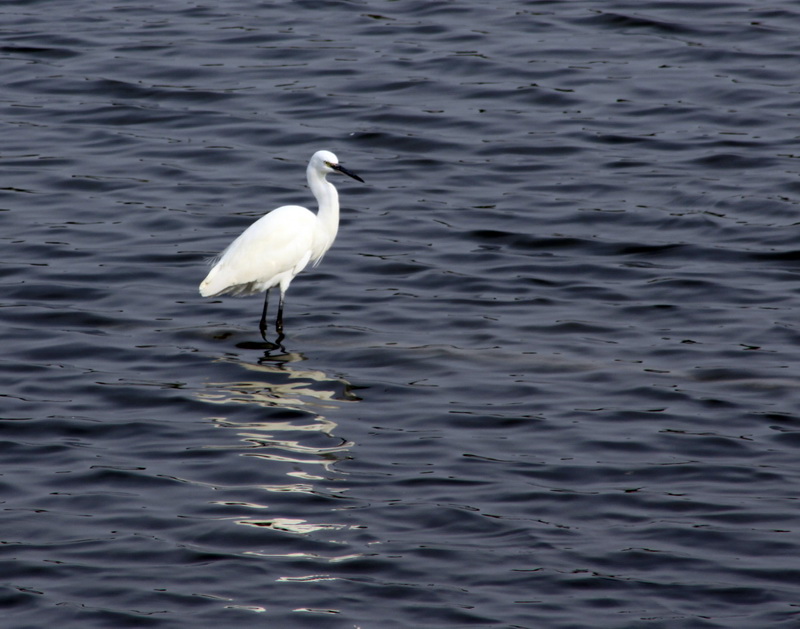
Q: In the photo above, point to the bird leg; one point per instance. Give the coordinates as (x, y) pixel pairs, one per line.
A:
(262, 326)
(279, 321)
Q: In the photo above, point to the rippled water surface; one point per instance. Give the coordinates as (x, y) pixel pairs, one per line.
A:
(547, 377)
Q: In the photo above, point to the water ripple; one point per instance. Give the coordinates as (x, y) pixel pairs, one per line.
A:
(547, 373)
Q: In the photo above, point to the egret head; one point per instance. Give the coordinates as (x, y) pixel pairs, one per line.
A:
(326, 162)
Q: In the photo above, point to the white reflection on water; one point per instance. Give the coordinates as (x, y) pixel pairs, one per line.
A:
(300, 443)
(281, 383)
(291, 525)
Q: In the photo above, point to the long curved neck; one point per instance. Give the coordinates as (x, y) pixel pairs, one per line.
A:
(328, 200)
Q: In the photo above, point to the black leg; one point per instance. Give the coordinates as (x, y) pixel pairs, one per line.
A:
(262, 326)
(279, 322)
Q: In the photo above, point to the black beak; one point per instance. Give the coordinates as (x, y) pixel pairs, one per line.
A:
(344, 171)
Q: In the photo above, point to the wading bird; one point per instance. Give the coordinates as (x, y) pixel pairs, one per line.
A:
(274, 249)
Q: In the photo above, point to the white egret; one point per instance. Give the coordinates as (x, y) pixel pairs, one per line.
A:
(274, 249)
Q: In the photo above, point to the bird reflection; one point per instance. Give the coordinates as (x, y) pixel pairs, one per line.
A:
(280, 383)
(273, 350)
(290, 433)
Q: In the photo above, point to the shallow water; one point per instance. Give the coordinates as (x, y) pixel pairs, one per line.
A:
(546, 377)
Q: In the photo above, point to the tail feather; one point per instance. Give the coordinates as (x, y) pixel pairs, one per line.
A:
(217, 284)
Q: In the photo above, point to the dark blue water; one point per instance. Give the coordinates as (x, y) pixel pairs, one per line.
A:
(547, 377)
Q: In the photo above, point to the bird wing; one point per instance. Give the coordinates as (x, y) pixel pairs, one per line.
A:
(277, 245)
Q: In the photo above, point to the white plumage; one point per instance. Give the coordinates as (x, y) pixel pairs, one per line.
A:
(279, 245)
